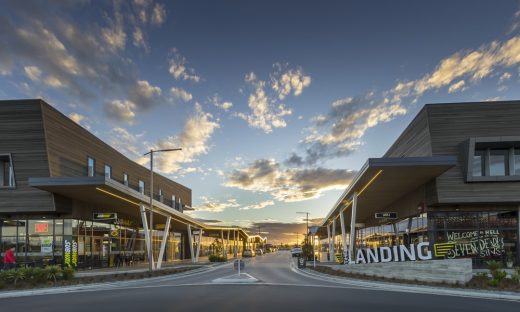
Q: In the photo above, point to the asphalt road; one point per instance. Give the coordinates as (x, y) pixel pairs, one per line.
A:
(279, 289)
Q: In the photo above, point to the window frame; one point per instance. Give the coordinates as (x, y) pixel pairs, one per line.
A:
(125, 179)
(491, 143)
(93, 166)
(12, 174)
(105, 171)
(139, 186)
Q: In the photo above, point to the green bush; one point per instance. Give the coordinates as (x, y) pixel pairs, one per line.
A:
(216, 258)
(494, 265)
(499, 275)
(14, 276)
(67, 273)
(515, 278)
(53, 272)
(39, 275)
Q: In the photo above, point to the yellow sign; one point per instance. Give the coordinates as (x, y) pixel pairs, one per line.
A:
(442, 249)
(115, 232)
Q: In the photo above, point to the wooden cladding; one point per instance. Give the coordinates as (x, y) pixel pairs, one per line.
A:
(70, 146)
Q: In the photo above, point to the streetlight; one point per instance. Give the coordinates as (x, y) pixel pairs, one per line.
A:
(150, 253)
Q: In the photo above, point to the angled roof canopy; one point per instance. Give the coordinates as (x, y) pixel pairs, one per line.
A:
(382, 181)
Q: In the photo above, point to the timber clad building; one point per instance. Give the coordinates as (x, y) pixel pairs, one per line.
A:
(452, 177)
(67, 196)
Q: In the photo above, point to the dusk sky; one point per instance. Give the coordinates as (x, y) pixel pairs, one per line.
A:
(275, 104)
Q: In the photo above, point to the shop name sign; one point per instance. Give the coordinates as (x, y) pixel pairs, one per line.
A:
(399, 253)
(386, 215)
(104, 216)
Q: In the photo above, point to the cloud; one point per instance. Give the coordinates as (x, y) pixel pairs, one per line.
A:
(33, 73)
(281, 232)
(144, 95)
(208, 221)
(340, 132)
(504, 77)
(77, 118)
(178, 67)
(287, 185)
(194, 141)
(158, 14)
(120, 110)
(217, 102)
(266, 110)
(127, 143)
(457, 86)
(260, 205)
(138, 38)
(292, 80)
(213, 205)
(181, 94)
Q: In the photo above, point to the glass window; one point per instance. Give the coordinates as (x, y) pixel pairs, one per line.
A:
(478, 163)
(6, 171)
(108, 171)
(517, 161)
(174, 201)
(91, 167)
(498, 162)
(141, 186)
(161, 197)
(125, 179)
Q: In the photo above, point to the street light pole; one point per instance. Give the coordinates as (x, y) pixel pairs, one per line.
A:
(306, 213)
(150, 251)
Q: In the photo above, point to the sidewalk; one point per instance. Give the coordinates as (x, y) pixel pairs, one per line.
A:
(142, 267)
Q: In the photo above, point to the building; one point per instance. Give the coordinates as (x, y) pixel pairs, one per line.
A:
(451, 180)
(67, 197)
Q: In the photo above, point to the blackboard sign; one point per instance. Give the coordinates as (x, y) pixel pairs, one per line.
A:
(386, 215)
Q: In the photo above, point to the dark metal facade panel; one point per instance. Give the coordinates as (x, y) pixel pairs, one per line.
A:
(69, 146)
(22, 135)
(415, 139)
(451, 126)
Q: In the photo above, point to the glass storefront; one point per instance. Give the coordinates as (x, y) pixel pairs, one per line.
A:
(84, 244)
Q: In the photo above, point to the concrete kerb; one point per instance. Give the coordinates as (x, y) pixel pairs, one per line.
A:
(398, 287)
(103, 285)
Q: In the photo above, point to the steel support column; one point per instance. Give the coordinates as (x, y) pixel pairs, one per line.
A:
(190, 242)
(328, 238)
(333, 239)
(343, 234)
(352, 246)
(146, 234)
(163, 243)
(199, 243)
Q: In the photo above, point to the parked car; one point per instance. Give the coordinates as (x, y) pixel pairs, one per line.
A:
(296, 251)
(259, 251)
(247, 253)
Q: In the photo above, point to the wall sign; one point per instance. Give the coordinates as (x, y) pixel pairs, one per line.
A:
(386, 215)
(41, 227)
(482, 243)
(99, 216)
(70, 252)
(399, 253)
(46, 244)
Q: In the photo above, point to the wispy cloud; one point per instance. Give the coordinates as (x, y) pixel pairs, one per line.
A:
(260, 205)
(212, 205)
(179, 93)
(178, 68)
(287, 185)
(266, 110)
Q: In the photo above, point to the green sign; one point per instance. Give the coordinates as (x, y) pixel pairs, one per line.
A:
(99, 216)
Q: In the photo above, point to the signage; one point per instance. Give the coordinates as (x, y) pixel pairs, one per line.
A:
(114, 233)
(46, 244)
(99, 216)
(160, 226)
(482, 243)
(41, 227)
(313, 229)
(237, 262)
(70, 252)
(441, 250)
(386, 215)
(394, 254)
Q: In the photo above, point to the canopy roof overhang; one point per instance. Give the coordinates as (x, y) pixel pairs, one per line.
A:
(111, 196)
(218, 231)
(382, 181)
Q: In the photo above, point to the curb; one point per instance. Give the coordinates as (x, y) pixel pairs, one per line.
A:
(386, 286)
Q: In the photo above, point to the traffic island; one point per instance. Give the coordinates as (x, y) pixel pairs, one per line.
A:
(242, 278)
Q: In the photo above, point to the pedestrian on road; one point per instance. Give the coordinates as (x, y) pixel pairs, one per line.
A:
(9, 260)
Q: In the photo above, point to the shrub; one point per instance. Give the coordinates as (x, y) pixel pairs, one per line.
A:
(15, 275)
(515, 278)
(494, 265)
(67, 273)
(38, 275)
(216, 258)
(53, 272)
(499, 275)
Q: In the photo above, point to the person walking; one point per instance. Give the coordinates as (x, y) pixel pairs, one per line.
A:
(9, 260)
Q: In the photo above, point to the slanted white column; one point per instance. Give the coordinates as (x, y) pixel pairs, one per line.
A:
(146, 234)
(328, 238)
(333, 243)
(190, 241)
(198, 246)
(343, 234)
(223, 245)
(351, 248)
(227, 243)
(163, 243)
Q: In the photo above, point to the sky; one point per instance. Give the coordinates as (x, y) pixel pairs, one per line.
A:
(276, 104)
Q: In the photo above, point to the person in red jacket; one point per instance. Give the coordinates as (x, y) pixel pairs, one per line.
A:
(9, 260)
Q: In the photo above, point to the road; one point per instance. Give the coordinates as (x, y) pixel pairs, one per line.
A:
(280, 288)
